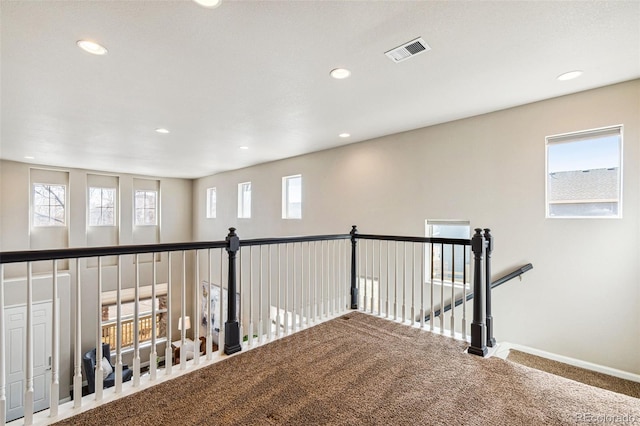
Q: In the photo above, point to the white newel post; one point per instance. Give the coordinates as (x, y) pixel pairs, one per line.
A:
(77, 373)
(98, 367)
(54, 396)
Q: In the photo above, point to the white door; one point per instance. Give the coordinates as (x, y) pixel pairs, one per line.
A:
(16, 364)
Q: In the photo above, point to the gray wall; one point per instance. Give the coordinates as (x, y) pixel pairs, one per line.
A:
(581, 300)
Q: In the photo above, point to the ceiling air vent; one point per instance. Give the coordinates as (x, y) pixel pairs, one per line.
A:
(408, 50)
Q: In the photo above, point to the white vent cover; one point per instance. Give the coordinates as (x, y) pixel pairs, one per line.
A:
(408, 50)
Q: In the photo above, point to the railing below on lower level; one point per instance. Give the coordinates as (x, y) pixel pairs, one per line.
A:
(258, 290)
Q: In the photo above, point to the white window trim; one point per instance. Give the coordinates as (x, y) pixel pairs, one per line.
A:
(285, 197)
(242, 213)
(571, 137)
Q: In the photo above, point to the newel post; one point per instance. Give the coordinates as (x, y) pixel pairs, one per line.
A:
(491, 341)
(354, 288)
(478, 328)
(231, 327)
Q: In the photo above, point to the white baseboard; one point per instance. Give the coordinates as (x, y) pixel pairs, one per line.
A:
(505, 347)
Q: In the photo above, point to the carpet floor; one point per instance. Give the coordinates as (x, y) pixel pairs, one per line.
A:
(593, 378)
(362, 370)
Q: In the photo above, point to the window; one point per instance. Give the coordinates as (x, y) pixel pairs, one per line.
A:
(102, 203)
(446, 255)
(292, 197)
(244, 200)
(584, 174)
(49, 205)
(211, 203)
(146, 205)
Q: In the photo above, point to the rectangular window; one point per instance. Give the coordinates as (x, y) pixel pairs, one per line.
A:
(102, 206)
(447, 259)
(584, 174)
(49, 205)
(211, 203)
(244, 200)
(146, 207)
(292, 197)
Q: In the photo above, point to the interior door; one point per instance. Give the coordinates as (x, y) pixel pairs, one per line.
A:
(16, 338)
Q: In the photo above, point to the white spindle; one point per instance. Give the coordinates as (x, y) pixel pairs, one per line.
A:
(118, 375)
(269, 289)
(168, 351)
(395, 284)
(240, 316)
(413, 284)
(422, 283)
(431, 267)
(153, 355)
(136, 323)
(77, 349)
(453, 287)
(301, 306)
(260, 301)
(28, 391)
(278, 295)
(366, 278)
(294, 322)
(196, 313)
(404, 281)
(250, 335)
(209, 332)
(183, 309)
(54, 395)
(388, 303)
(98, 375)
(464, 292)
(222, 305)
(315, 282)
(322, 296)
(3, 385)
(442, 325)
(373, 273)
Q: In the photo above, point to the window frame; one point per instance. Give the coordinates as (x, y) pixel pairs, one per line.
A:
(244, 211)
(102, 208)
(576, 137)
(286, 197)
(144, 208)
(34, 207)
(209, 212)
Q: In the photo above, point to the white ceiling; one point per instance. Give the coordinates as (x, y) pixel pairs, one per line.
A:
(256, 73)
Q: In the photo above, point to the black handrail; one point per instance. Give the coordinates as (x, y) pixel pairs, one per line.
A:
(289, 240)
(434, 240)
(496, 283)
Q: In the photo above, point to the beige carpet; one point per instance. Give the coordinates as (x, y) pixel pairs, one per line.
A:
(592, 378)
(363, 370)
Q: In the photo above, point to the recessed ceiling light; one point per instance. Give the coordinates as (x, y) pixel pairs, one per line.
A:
(569, 75)
(91, 47)
(344, 135)
(163, 131)
(211, 4)
(340, 73)
(244, 147)
(29, 157)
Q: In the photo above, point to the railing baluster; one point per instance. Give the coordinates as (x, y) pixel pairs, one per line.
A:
(294, 322)
(98, 375)
(491, 341)
(413, 284)
(250, 335)
(209, 331)
(3, 350)
(404, 281)
(388, 283)
(315, 282)
(279, 325)
(77, 375)
(395, 284)
(168, 351)
(422, 284)
(308, 301)
(28, 391)
(260, 301)
(286, 290)
(380, 278)
(453, 287)
(221, 326)
(54, 396)
(136, 323)
(153, 355)
(240, 315)
(183, 310)
(464, 293)
(432, 272)
(196, 312)
(442, 326)
(269, 290)
(366, 275)
(119, 366)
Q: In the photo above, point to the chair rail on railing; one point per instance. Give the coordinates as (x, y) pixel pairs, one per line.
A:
(273, 286)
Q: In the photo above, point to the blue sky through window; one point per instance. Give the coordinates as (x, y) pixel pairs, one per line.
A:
(587, 154)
